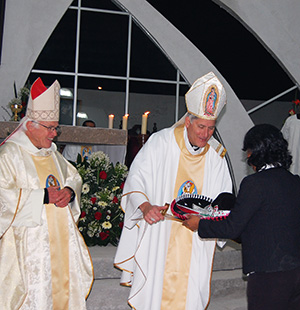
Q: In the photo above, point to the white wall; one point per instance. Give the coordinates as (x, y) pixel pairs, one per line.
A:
(27, 27)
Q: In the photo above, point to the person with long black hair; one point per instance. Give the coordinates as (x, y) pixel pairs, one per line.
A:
(266, 217)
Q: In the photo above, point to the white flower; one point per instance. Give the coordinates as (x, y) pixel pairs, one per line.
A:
(85, 200)
(95, 208)
(80, 228)
(102, 204)
(108, 217)
(85, 188)
(98, 158)
(115, 188)
(106, 225)
(90, 233)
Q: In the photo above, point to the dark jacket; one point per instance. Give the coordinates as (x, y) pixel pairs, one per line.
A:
(266, 217)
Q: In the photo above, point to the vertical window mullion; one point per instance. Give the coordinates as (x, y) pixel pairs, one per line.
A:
(128, 64)
(76, 63)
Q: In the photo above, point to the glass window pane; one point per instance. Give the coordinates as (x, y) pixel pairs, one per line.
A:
(161, 107)
(103, 43)
(98, 104)
(147, 60)
(183, 89)
(94, 83)
(152, 88)
(182, 105)
(59, 52)
(96, 4)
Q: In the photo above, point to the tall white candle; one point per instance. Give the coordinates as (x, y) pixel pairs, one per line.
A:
(125, 120)
(144, 123)
(111, 121)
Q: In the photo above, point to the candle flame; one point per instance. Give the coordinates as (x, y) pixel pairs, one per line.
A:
(126, 115)
(146, 113)
(111, 115)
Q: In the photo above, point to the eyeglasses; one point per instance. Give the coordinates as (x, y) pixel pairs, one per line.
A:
(51, 128)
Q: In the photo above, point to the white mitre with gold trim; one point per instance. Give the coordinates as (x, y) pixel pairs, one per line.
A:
(43, 103)
(206, 97)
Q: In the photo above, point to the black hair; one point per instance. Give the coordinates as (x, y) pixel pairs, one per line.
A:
(88, 121)
(267, 146)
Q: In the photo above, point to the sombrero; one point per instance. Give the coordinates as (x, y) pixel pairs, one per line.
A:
(203, 206)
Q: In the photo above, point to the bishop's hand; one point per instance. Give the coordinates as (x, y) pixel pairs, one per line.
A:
(152, 213)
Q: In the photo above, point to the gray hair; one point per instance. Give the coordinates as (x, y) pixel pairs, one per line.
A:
(191, 117)
(34, 124)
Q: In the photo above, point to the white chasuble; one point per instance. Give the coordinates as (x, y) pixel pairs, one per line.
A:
(143, 253)
(177, 268)
(58, 234)
(44, 262)
(291, 132)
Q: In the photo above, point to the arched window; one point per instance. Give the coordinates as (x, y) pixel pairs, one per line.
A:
(107, 64)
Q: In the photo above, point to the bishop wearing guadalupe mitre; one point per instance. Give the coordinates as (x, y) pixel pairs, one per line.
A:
(44, 262)
(167, 265)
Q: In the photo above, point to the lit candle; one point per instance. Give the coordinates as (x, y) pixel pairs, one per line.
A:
(111, 121)
(124, 123)
(144, 123)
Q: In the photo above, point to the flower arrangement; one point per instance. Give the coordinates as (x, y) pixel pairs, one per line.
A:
(295, 107)
(101, 219)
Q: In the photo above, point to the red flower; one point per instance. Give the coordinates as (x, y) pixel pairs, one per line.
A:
(296, 101)
(98, 216)
(103, 175)
(115, 200)
(93, 200)
(83, 214)
(292, 111)
(122, 185)
(103, 235)
(121, 224)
